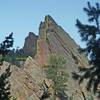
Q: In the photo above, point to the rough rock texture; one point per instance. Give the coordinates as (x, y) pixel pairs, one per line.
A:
(30, 44)
(52, 40)
(25, 82)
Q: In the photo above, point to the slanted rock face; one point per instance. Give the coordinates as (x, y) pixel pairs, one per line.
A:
(54, 40)
(25, 82)
(30, 44)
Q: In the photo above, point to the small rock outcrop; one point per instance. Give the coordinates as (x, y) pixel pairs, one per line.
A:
(30, 45)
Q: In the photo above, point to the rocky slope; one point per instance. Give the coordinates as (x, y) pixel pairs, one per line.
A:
(54, 40)
(25, 81)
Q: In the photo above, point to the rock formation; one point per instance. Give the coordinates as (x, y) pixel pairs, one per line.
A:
(52, 39)
(30, 45)
(25, 82)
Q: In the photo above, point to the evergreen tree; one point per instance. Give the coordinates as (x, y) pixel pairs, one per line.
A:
(4, 77)
(5, 85)
(90, 33)
(5, 46)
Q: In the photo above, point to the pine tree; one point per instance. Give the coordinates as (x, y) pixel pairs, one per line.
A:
(5, 46)
(4, 77)
(5, 85)
(90, 33)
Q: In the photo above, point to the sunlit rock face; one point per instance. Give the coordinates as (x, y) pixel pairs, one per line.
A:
(25, 82)
(53, 39)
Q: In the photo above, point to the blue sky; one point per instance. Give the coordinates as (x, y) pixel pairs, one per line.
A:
(24, 16)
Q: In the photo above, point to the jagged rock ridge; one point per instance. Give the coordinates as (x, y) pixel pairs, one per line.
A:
(30, 44)
(55, 40)
(52, 39)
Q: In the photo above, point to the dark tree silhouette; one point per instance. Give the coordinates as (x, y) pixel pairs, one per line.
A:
(90, 33)
(4, 77)
(5, 85)
(5, 46)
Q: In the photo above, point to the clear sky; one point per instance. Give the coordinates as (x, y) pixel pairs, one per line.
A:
(24, 16)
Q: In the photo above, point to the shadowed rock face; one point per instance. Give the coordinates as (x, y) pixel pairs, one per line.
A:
(30, 44)
(52, 39)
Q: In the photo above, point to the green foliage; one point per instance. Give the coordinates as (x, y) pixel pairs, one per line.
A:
(12, 59)
(5, 46)
(4, 77)
(90, 33)
(6, 54)
(14, 98)
(71, 98)
(5, 85)
(90, 97)
(55, 72)
(15, 59)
